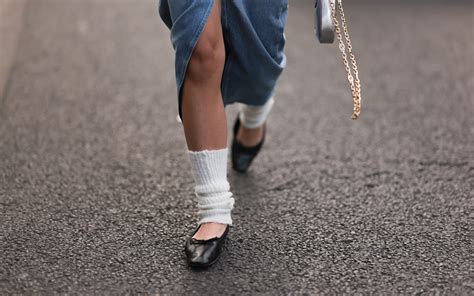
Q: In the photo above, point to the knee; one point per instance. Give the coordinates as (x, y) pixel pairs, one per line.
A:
(207, 60)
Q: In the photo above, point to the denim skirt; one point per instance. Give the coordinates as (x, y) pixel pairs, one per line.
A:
(254, 42)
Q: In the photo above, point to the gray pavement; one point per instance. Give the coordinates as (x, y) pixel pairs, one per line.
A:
(11, 20)
(95, 190)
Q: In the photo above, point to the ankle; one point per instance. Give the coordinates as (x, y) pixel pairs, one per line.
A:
(212, 189)
(255, 116)
(210, 230)
(250, 136)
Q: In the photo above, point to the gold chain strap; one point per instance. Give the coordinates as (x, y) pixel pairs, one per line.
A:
(353, 82)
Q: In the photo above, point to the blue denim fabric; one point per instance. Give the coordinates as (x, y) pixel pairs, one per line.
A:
(253, 38)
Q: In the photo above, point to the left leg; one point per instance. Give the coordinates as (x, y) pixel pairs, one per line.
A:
(253, 119)
(256, 58)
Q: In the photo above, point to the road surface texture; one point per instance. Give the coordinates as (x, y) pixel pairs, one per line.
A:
(95, 188)
(11, 20)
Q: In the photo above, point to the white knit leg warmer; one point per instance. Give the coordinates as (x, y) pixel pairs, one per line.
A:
(215, 201)
(255, 116)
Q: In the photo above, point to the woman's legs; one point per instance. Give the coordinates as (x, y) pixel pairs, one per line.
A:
(203, 113)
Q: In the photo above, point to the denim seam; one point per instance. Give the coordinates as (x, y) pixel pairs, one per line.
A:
(225, 80)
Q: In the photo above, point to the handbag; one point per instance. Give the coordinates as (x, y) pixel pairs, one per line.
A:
(327, 27)
(323, 23)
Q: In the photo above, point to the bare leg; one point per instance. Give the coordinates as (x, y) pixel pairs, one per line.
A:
(204, 119)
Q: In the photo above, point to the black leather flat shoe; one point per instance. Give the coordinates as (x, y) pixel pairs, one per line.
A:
(204, 253)
(242, 156)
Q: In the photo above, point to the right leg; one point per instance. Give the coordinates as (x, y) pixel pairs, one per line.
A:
(204, 118)
(205, 124)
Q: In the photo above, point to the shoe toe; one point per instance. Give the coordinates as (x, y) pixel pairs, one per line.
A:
(200, 261)
(241, 162)
(203, 253)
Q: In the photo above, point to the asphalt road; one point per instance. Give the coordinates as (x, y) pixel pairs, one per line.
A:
(95, 189)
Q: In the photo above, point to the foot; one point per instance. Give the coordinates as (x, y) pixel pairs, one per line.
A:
(204, 253)
(247, 147)
(210, 230)
(250, 137)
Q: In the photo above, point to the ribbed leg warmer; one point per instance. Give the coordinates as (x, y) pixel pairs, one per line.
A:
(215, 201)
(255, 116)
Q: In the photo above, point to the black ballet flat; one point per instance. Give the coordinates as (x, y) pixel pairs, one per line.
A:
(242, 156)
(204, 253)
